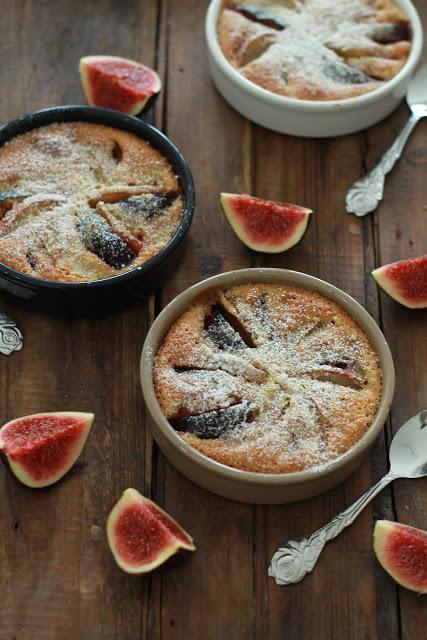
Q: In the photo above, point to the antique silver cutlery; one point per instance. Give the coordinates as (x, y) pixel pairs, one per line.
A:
(408, 459)
(11, 338)
(367, 192)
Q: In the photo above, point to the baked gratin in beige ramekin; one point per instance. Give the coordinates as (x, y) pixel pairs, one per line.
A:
(289, 423)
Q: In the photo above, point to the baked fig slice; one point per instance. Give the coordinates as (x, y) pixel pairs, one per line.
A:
(41, 448)
(265, 225)
(405, 281)
(142, 536)
(118, 83)
(402, 552)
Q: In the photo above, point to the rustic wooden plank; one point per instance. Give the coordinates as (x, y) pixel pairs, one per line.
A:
(58, 577)
(202, 595)
(402, 233)
(339, 249)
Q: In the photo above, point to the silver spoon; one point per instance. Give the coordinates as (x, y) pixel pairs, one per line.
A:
(10, 335)
(367, 192)
(408, 459)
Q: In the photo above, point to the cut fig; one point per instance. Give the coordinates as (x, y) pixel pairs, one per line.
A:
(264, 225)
(257, 14)
(215, 424)
(118, 83)
(343, 73)
(386, 33)
(41, 448)
(99, 238)
(142, 536)
(402, 552)
(405, 281)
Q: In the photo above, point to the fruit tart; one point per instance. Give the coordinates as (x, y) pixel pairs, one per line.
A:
(81, 202)
(268, 378)
(315, 49)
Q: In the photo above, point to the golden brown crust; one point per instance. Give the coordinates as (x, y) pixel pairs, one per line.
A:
(56, 175)
(317, 49)
(268, 378)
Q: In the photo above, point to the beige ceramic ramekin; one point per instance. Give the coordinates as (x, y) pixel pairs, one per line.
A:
(262, 488)
(312, 118)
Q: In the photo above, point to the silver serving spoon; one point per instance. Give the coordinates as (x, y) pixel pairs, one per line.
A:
(408, 459)
(10, 335)
(367, 192)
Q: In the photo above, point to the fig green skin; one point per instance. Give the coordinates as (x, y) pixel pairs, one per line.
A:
(140, 106)
(384, 533)
(129, 498)
(23, 474)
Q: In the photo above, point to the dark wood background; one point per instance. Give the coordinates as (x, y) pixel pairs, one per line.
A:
(58, 578)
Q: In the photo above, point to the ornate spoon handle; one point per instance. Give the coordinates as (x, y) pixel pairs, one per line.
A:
(298, 557)
(10, 335)
(364, 196)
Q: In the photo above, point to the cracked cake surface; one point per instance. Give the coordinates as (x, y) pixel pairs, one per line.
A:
(267, 378)
(82, 201)
(315, 49)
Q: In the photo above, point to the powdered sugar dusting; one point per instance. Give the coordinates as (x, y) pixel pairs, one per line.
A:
(316, 392)
(315, 51)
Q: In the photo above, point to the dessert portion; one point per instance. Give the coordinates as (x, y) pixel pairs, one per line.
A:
(315, 49)
(83, 201)
(267, 378)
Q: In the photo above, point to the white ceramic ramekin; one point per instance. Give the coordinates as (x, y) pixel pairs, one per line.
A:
(310, 118)
(261, 488)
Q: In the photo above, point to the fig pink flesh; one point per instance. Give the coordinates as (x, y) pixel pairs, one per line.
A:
(408, 278)
(119, 85)
(42, 444)
(138, 534)
(265, 221)
(167, 522)
(405, 551)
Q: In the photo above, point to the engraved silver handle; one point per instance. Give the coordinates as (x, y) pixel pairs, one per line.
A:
(298, 557)
(10, 335)
(366, 193)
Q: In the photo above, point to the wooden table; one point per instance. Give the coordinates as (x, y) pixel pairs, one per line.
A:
(58, 578)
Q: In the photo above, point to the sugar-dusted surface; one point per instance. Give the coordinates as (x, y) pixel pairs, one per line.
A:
(317, 49)
(268, 378)
(83, 202)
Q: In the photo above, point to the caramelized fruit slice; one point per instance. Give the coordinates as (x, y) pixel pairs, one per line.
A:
(256, 14)
(216, 424)
(98, 237)
(385, 33)
(146, 205)
(343, 73)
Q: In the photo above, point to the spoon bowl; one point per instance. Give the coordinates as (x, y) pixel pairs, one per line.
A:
(408, 450)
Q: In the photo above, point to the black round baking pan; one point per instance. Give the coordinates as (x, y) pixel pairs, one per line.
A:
(126, 285)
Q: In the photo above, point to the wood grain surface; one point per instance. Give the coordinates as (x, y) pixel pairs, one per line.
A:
(58, 578)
